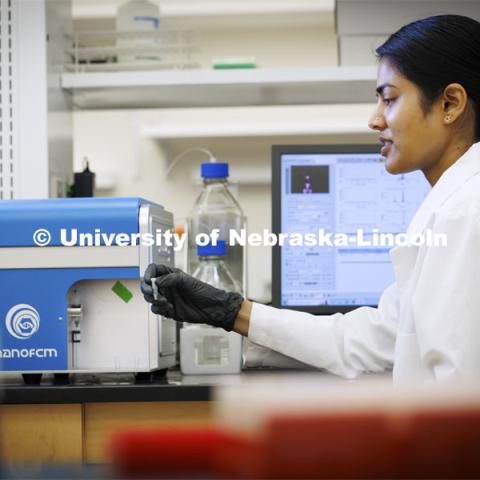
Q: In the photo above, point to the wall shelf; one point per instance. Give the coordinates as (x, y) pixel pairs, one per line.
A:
(203, 88)
(217, 13)
(303, 120)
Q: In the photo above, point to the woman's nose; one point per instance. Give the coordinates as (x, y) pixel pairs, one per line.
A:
(376, 122)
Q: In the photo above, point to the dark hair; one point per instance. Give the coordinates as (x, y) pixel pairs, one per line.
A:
(436, 51)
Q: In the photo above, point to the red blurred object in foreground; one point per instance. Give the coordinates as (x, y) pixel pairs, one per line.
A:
(415, 444)
(180, 452)
(401, 444)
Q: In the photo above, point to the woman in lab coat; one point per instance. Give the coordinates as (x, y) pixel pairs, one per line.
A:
(427, 324)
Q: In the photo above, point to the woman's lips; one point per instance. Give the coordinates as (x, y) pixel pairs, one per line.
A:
(386, 148)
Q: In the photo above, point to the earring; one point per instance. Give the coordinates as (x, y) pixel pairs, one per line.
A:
(448, 117)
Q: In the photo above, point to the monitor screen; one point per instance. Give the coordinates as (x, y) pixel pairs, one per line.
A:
(343, 200)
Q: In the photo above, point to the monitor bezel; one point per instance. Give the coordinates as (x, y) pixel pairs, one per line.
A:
(277, 152)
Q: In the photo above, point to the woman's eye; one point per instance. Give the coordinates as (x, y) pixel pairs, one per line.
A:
(387, 101)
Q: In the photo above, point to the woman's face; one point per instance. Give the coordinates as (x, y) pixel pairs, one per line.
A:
(411, 139)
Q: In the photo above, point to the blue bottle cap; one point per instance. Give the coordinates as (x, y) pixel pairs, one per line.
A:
(209, 250)
(214, 170)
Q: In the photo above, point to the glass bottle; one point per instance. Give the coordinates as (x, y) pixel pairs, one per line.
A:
(217, 208)
(205, 349)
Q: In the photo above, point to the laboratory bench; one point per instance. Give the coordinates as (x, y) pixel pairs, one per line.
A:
(107, 388)
(65, 424)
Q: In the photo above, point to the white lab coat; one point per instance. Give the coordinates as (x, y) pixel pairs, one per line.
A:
(427, 324)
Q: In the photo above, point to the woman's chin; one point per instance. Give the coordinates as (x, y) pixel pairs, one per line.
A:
(390, 167)
(393, 166)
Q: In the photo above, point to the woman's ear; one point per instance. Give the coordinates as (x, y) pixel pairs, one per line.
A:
(454, 102)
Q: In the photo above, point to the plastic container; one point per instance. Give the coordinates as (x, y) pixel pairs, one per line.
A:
(136, 21)
(205, 349)
(84, 182)
(216, 207)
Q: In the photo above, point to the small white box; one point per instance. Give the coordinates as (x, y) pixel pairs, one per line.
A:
(209, 350)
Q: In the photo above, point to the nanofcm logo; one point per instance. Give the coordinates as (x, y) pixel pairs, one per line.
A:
(22, 321)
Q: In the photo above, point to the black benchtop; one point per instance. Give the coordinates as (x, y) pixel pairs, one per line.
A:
(169, 387)
(113, 388)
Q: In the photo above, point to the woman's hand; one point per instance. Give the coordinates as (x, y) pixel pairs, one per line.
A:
(186, 299)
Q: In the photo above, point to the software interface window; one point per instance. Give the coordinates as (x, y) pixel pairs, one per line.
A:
(342, 193)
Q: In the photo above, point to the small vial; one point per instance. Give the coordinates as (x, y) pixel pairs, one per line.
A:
(155, 288)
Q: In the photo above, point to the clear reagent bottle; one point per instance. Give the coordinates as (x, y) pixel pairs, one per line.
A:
(205, 349)
(217, 208)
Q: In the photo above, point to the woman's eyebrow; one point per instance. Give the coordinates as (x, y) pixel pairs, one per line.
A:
(381, 88)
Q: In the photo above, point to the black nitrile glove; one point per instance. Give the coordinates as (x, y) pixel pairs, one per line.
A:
(186, 299)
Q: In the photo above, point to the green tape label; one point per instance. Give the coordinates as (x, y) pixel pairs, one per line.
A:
(122, 291)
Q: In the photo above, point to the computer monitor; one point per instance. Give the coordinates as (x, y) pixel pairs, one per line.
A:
(337, 189)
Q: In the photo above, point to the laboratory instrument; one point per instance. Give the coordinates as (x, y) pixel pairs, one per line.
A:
(77, 309)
